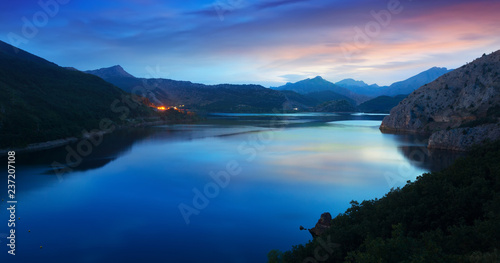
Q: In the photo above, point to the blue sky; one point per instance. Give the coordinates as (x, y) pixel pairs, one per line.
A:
(262, 42)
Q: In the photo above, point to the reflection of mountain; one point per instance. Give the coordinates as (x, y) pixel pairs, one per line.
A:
(432, 160)
(36, 171)
(415, 150)
(37, 165)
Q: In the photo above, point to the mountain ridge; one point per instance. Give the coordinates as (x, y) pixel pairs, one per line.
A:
(110, 72)
(459, 109)
(408, 85)
(201, 97)
(319, 84)
(42, 101)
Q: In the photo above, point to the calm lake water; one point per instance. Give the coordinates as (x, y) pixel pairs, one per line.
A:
(245, 182)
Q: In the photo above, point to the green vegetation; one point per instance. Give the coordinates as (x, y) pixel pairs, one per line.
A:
(335, 106)
(328, 95)
(205, 98)
(41, 101)
(381, 104)
(447, 216)
(176, 116)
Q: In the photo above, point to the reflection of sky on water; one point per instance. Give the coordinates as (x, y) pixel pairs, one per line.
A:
(346, 153)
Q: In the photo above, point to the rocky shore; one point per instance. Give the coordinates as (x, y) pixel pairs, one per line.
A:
(461, 139)
(457, 110)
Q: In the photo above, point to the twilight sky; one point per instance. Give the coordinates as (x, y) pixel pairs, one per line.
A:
(263, 42)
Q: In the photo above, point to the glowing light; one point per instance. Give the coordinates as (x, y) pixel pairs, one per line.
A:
(161, 108)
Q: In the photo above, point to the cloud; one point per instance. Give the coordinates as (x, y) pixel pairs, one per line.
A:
(293, 77)
(265, 41)
(277, 3)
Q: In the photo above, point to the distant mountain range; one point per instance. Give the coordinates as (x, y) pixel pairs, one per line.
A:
(318, 84)
(305, 95)
(219, 98)
(409, 85)
(359, 91)
(360, 87)
(199, 97)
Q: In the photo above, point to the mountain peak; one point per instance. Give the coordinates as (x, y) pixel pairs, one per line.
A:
(110, 72)
(351, 82)
(409, 85)
(438, 68)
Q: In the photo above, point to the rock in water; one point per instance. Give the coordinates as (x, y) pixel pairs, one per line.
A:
(323, 224)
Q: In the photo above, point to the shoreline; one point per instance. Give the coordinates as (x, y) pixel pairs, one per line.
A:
(40, 146)
(53, 144)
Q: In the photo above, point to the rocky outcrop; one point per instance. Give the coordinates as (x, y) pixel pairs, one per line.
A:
(461, 139)
(458, 109)
(323, 224)
(111, 72)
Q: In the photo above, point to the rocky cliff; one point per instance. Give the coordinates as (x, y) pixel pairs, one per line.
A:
(459, 109)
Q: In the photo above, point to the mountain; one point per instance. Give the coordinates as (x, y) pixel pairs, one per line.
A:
(381, 104)
(398, 88)
(360, 87)
(335, 106)
(319, 84)
(459, 109)
(312, 85)
(209, 98)
(111, 72)
(328, 95)
(409, 85)
(41, 101)
(303, 102)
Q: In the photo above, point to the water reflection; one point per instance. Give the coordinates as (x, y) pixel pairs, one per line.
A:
(121, 204)
(414, 149)
(430, 159)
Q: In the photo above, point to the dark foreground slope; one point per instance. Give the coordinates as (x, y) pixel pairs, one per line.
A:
(41, 101)
(447, 216)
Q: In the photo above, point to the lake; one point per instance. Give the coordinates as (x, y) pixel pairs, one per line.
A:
(228, 189)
